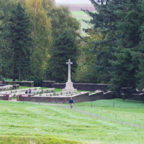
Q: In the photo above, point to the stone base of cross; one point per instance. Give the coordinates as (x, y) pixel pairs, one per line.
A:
(69, 87)
(69, 84)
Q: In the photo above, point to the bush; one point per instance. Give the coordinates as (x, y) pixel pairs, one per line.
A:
(37, 80)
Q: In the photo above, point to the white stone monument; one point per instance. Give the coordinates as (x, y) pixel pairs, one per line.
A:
(69, 84)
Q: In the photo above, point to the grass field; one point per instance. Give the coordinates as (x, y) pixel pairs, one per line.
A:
(57, 124)
(80, 16)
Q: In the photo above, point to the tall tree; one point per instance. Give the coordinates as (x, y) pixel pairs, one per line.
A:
(20, 43)
(62, 20)
(5, 13)
(139, 55)
(128, 38)
(103, 22)
(40, 26)
(64, 48)
(120, 22)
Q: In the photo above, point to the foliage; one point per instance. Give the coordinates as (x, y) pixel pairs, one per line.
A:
(37, 80)
(86, 71)
(40, 26)
(120, 24)
(62, 20)
(20, 43)
(139, 55)
(5, 13)
(47, 22)
(64, 48)
(128, 38)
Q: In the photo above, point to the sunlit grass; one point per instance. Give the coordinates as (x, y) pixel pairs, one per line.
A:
(37, 120)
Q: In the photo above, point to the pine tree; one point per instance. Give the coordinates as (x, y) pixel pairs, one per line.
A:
(140, 54)
(5, 54)
(20, 43)
(64, 48)
(120, 22)
(104, 21)
(125, 64)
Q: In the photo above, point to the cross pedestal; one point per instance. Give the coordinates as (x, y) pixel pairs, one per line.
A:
(69, 84)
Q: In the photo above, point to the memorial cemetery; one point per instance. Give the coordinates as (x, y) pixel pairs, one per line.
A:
(71, 73)
(37, 94)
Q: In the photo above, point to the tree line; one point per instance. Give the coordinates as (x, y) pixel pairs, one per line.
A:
(119, 52)
(37, 38)
(31, 32)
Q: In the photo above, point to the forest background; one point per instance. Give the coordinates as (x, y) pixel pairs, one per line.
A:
(37, 38)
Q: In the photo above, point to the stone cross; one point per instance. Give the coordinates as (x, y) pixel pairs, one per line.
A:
(69, 70)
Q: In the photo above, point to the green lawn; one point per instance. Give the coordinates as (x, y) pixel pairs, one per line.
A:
(78, 13)
(34, 123)
(80, 16)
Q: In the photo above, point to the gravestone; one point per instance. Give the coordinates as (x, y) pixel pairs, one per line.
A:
(16, 86)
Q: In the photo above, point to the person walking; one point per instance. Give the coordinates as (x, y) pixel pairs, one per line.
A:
(71, 102)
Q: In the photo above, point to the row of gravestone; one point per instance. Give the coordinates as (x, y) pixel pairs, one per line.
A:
(6, 87)
(37, 91)
(59, 94)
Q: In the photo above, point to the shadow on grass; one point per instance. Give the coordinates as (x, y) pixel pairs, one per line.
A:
(34, 140)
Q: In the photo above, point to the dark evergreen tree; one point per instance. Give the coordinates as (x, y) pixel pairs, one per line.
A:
(104, 21)
(5, 12)
(20, 43)
(139, 55)
(128, 38)
(64, 48)
(120, 22)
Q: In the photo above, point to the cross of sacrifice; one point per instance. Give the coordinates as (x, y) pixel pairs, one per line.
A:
(69, 70)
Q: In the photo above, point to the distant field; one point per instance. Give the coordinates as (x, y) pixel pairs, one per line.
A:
(79, 13)
(78, 7)
(76, 10)
(81, 17)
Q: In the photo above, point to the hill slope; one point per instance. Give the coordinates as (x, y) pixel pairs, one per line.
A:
(60, 124)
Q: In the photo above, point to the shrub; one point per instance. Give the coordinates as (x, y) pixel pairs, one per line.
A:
(37, 80)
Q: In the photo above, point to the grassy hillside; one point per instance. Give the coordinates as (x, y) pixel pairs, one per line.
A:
(81, 17)
(58, 124)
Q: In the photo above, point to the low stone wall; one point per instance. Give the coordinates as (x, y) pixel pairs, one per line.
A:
(21, 83)
(108, 95)
(59, 85)
(1, 97)
(78, 98)
(47, 99)
(49, 84)
(137, 97)
(83, 97)
(78, 86)
(91, 87)
(96, 96)
(5, 97)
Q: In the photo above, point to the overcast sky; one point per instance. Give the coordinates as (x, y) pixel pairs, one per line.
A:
(73, 1)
